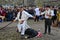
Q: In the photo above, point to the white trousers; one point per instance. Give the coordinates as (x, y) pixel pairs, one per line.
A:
(22, 27)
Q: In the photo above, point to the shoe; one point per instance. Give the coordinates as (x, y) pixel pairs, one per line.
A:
(22, 36)
(17, 31)
(26, 37)
(50, 33)
(44, 33)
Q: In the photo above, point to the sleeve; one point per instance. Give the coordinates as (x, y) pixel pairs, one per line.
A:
(29, 15)
(42, 13)
(17, 18)
(52, 13)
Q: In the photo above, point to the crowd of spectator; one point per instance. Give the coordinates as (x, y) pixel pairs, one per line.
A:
(9, 13)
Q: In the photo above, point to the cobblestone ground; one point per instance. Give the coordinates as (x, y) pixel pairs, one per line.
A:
(9, 33)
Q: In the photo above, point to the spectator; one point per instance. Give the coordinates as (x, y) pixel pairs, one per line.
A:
(9, 15)
(2, 13)
(55, 15)
(37, 14)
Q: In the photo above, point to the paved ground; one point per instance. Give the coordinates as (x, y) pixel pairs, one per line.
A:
(9, 33)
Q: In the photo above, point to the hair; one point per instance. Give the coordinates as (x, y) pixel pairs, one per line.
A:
(48, 6)
(59, 8)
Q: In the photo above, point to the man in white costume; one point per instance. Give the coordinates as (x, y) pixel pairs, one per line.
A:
(22, 22)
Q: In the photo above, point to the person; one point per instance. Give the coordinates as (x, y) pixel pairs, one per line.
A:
(31, 11)
(32, 33)
(9, 15)
(15, 11)
(37, 14)
(48, 16)
(54, 18)
(22, 17)
(58, 17)
(2, 13)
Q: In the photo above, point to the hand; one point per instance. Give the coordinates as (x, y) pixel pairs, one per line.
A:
(21, 21)
(48, 14)
(34, 17)
(14, 20)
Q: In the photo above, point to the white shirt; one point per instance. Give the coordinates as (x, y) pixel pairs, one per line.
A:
(37, 11)
(50, 12)
(25, 16)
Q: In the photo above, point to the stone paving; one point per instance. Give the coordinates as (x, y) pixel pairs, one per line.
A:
(9, 33)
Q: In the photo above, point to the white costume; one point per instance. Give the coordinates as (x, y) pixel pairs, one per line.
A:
(23, 26)
(37, 11)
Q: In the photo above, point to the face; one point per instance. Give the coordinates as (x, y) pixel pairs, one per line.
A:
(21, 9)
(51, 8)
(47, 8)
(24, 8)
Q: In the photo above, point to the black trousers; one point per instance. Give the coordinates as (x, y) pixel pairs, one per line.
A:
(31, 32)
(48, 23)
(37, 18)
(54, 18)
